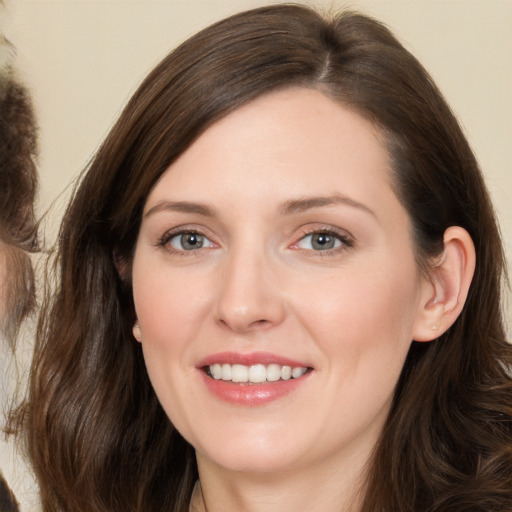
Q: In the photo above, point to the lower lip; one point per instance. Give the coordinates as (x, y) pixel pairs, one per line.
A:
(252, 395)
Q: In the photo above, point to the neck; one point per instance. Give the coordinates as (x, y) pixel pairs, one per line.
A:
(331, 488)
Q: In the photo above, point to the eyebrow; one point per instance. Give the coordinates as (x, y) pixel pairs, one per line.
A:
(288, 208)
(306, 203)
(181, 206)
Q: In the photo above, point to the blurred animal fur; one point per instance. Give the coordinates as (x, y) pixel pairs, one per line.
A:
(18, 186)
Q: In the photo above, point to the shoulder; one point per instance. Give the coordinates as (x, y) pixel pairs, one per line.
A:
(8, 502)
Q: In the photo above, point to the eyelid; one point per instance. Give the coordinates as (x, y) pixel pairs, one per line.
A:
(347, 240)
(177, 240)
(163, 241)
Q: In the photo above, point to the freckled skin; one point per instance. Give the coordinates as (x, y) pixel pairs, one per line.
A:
(259, 284)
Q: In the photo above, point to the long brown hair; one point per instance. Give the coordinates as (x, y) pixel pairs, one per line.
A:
(98, 438)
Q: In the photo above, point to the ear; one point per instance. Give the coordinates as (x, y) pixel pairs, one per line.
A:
(136, 332)
(446, 288)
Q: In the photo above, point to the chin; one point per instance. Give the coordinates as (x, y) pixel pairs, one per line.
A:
(250, 454)
(252, 463)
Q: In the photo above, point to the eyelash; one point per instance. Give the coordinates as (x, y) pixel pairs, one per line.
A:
(347, 241)
(164, 241)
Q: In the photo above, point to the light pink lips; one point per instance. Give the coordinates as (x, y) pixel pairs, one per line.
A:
(249, 359)
(246, 393)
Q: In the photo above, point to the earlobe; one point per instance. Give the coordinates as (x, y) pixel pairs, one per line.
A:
(445, 291)
(136, 332)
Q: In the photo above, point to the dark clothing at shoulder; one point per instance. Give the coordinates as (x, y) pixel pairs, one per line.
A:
(8, 502)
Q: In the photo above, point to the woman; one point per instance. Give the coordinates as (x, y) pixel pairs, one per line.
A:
(18, 184)
(279, 289)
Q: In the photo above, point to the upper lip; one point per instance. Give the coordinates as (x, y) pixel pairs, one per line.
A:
(249, 359)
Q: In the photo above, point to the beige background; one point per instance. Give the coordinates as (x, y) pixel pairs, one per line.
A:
(83, 58)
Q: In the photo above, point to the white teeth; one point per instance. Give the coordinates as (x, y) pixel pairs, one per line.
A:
(256, 374)
(239, 373)
(273, 372)
(286, 372)
(298, 372)
(226, 372)
(216, 371)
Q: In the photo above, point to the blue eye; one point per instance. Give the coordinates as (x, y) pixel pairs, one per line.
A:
(321, 241)
(189, 241)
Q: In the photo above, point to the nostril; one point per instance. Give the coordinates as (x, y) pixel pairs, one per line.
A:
(234, 324)
(262, 322)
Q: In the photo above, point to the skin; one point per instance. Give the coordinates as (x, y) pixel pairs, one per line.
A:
(259, 284)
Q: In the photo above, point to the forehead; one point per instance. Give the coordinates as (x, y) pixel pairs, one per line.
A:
(289, 143)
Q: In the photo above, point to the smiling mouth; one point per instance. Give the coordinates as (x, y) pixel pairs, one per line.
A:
(254, 374)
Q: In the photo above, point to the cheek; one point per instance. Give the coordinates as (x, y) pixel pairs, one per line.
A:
(167, 304)
(167, 311)
(170, 308)
(367, 313)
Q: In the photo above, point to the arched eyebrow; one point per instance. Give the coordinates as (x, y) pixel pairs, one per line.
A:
(181, 206)
(306, 203)
(288, 208)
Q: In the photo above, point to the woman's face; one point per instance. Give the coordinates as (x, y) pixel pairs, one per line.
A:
(275, 245)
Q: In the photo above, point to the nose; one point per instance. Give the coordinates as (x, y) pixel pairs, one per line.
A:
(250, 297)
